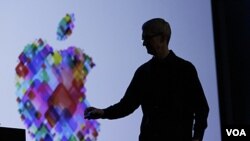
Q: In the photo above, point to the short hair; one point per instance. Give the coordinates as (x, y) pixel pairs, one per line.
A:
(157, 26)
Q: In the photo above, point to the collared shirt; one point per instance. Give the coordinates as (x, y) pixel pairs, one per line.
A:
(171, 97)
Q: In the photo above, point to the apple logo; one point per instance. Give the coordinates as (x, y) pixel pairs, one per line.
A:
(50, 89)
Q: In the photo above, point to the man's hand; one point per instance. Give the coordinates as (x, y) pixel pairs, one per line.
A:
(93, 113)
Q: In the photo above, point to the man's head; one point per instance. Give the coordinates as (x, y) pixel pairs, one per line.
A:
(156, 34)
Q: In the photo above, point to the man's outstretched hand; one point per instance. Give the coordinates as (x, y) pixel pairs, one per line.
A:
(93, 113)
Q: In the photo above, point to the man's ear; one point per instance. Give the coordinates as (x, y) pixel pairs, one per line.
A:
(163, 38)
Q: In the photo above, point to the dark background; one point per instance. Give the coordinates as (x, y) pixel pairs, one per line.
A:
(12, 134)
(231, 20)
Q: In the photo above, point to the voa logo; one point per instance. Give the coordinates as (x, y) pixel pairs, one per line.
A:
(236, 132)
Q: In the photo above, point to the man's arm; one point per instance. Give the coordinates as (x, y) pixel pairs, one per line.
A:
(200, 106)
(129, 102)
(124, 107)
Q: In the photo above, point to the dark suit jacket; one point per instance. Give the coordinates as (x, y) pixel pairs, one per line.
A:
(171, 97)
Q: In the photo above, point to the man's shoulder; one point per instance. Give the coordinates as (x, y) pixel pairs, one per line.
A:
(145, 66)
(182, 62)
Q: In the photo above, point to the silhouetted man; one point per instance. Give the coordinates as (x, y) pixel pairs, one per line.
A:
(168, 90)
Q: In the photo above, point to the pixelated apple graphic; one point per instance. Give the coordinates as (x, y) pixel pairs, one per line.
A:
(50, 89)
